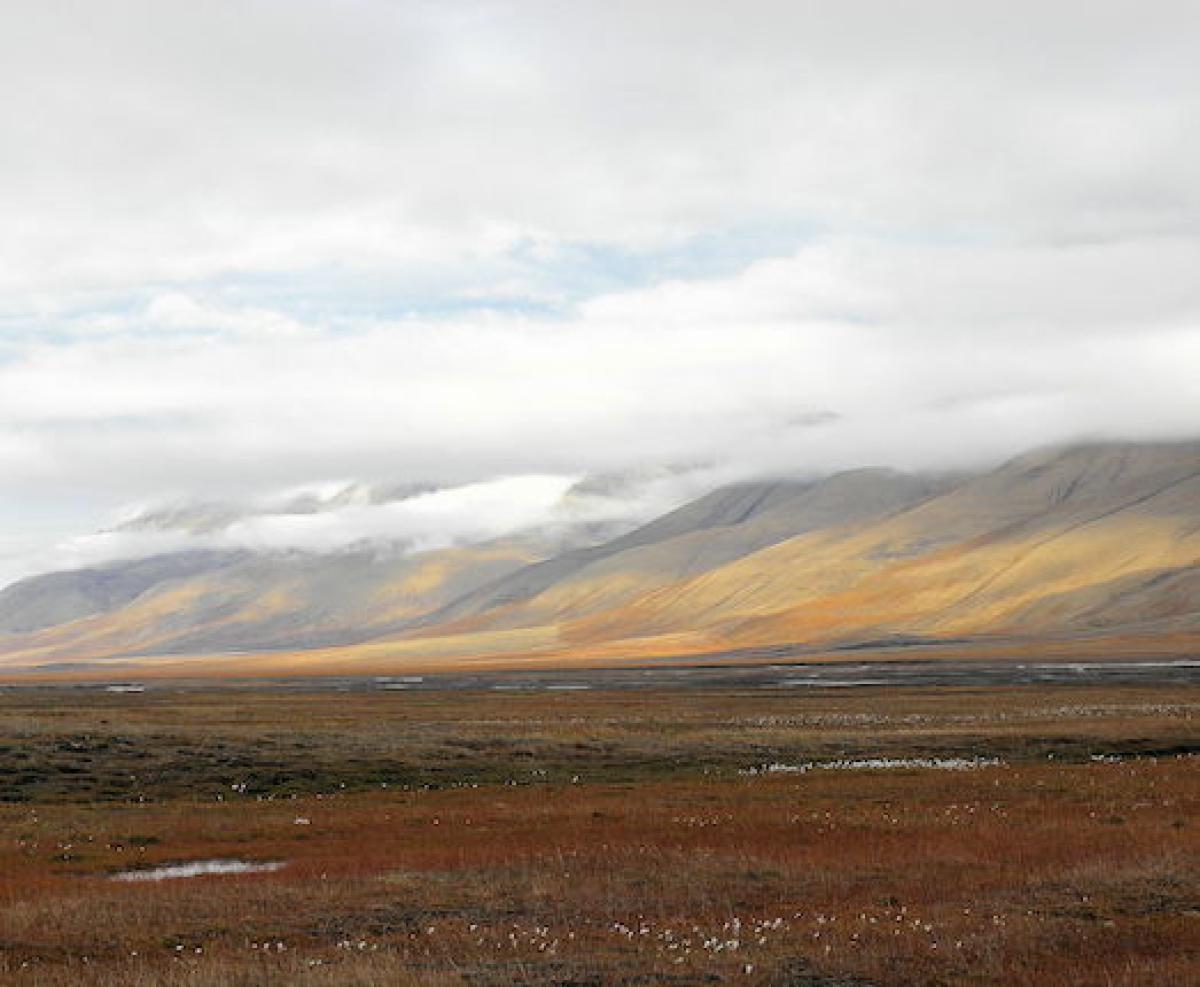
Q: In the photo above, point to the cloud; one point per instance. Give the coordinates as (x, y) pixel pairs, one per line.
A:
(940, 352)
(254, 245)
(150, 143)
(545, 510)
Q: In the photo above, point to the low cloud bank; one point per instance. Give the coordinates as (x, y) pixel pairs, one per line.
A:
(823, 236)
(547, 510)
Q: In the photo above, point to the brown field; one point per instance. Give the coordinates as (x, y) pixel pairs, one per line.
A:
(601, 837)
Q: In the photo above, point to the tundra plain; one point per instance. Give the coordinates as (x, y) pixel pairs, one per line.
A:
(991, 835)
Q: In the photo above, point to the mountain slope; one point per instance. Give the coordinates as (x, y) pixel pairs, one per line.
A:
(61, 597)
(727, 524)
(271, 601)
(1102, 539)
(970, 561)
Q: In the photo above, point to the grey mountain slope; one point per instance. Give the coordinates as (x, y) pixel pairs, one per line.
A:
(60, 597)
(243, 600)
(269, 601)
(717, 528)
(223, 601)
(329, 600)
(1164, 601)
(1059, 498)
(1064, 485)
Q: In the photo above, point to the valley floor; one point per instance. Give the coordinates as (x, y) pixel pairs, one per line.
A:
(990, 835)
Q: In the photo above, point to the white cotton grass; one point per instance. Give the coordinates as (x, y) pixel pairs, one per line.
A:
(879, 764)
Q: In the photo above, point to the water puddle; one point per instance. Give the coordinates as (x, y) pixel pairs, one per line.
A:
(199, 868)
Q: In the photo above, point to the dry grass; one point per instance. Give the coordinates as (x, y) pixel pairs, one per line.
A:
(657, 859)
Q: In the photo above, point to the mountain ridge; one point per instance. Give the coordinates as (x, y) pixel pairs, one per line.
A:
(1097, 538)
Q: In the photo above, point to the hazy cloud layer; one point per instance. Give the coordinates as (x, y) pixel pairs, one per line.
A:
(547, 512)
(254, 244)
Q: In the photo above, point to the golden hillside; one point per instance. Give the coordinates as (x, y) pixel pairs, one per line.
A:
(1086, 543)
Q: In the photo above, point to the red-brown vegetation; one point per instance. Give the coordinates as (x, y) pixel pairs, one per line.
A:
(1069, 862)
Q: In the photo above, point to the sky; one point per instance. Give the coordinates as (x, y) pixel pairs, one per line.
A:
(255, 244)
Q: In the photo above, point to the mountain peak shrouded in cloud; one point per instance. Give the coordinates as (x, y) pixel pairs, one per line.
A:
(200, 518)
(1092, 545)
(250, 245)
(387, 518)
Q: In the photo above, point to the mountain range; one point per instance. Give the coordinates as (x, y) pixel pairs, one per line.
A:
(1091, 549)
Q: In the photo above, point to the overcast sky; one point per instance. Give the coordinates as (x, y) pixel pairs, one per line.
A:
(246, 245)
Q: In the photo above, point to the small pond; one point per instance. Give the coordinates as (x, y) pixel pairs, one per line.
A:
(199, 868)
